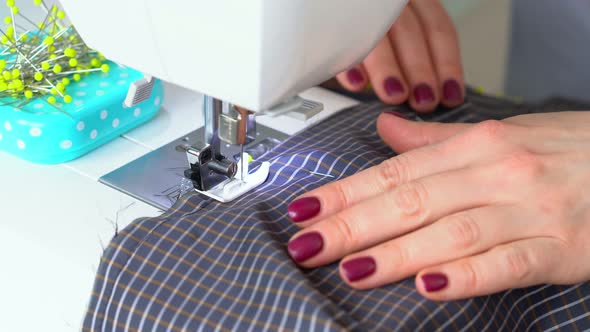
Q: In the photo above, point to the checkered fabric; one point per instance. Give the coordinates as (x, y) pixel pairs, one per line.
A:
(206, 266)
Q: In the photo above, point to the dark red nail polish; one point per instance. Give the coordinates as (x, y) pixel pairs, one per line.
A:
(435, 282)
(393, 87)
(398, 114)
(423, 94)
(355, 77)
(359, 268)
(304, 209)
(452, 91)
(305, 246)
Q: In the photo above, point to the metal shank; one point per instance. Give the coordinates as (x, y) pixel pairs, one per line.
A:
(208, 166)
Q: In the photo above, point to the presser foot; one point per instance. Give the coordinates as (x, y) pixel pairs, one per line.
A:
(208, 168)
(235, 187)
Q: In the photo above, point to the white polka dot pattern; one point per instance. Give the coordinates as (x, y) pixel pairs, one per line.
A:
(35, 132)
(66, 144)
(96, 113)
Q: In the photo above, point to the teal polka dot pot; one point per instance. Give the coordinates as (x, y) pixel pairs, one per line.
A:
(49, 134)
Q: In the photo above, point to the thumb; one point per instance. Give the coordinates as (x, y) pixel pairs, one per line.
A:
(403, 135)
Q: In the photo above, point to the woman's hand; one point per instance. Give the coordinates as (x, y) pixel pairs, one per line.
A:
(418, 61)
(470, 209)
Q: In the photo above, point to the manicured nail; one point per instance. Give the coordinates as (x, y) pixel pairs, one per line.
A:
(393, 87)
(434, 282)
(304, 209)
(394, 113)
(355, 77)
(305, 246)
(452, 91)
(423, 94)
(359, 268)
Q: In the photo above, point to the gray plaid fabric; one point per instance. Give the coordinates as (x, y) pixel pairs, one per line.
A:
(205, 266)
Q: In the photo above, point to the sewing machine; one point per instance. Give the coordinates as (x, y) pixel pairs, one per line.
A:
(249, 58)
(60, 228)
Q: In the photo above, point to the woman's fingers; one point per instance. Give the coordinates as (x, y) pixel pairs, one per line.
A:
(443, 44)
(355, 79)
(515, 265)
(505, 212)
(327, 200)
(385, 74)
(453, 237)
(410, 46)
(418, 61)
(408, 207)
(403, 136)
(454, 146)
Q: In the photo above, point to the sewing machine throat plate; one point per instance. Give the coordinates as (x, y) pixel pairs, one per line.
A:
(156, 177)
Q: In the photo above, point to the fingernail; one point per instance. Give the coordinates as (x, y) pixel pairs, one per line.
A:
(398, 114)
(305, 246)
(423, 94)
(393, 87)
(434, 282)
(304, 209)
(358, 269)
(452, 91)
(355, 77)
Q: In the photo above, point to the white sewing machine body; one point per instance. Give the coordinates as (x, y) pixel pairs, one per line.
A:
(252, 53)
(255, 53)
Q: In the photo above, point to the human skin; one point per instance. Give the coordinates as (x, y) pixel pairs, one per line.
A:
(418, 61)
(468, 209)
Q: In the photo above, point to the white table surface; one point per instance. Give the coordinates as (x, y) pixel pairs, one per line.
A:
(54, 220)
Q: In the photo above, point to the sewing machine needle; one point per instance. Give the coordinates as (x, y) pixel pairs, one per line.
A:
(242, 161)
